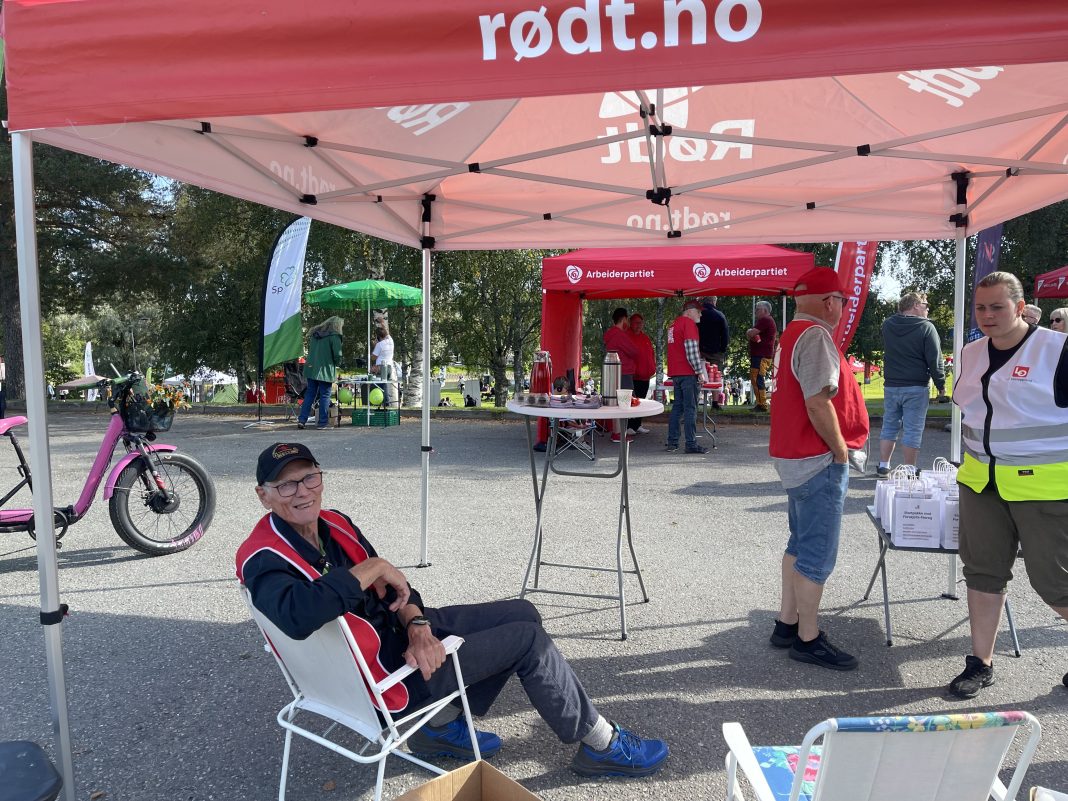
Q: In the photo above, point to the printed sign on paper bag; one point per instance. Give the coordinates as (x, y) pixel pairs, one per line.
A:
(917, 522)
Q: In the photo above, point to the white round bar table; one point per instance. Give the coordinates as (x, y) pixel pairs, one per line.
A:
(645, 408)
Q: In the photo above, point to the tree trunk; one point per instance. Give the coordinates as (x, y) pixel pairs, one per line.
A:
(517, 369)
(10, 311)
(499, 367)
(413, 387)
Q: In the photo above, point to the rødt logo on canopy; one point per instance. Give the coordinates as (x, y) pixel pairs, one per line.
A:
(701, 272)
(578, 31)
(574, 274)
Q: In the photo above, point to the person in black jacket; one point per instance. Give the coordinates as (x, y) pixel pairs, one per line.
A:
(714, 333)
(912, 359)
(305, 566)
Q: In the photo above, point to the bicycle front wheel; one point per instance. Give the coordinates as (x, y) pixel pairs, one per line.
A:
(161, 521)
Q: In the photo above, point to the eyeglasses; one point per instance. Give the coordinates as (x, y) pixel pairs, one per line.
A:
(1056, 319)
(289, 488)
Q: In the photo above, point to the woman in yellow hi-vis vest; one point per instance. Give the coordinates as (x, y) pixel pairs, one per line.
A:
(1012, 390)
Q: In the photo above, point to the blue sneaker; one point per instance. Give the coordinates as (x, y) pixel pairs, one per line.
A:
(628, 755)
(452, 740)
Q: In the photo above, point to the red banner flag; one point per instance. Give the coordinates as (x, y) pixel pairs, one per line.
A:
(854, 264)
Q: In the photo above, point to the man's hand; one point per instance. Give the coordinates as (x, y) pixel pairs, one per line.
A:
(425, 651)
(753, 334)
(378, 573)
(942, 398)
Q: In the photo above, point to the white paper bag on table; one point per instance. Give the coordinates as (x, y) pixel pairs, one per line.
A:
(950, 522)
(917, 521)
(880, 498)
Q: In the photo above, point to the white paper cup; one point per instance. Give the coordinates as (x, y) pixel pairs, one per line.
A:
(624, 396)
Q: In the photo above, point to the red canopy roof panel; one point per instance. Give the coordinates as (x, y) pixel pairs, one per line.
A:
(86, 62)
(601, 273)
(1053, 284)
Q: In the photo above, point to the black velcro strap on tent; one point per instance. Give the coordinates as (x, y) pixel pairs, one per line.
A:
(426, 449)
(311, 141)
(310, 200)
(674, 234)
(863, 150)
(427, 243)
(547, 216)
(52, 618)
(205, 128)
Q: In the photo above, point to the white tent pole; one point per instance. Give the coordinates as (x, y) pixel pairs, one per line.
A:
(40, 463)
(424, 560)
(958, 344)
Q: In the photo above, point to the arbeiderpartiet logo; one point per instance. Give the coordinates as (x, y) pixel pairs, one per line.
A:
(701, 272)
(574, 273)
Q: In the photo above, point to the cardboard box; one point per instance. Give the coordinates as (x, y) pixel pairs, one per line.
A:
(479, 781)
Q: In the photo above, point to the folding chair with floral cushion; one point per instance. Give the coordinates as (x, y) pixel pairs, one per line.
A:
(899, 758)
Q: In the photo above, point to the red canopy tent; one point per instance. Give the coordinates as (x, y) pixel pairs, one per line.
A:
(1053, 284)
(595, 273)
(460, 126)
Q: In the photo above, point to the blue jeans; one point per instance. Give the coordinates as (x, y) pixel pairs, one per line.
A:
(905, 410)
(501, 639)
(684, 407)
(320, 390)
(815, 513)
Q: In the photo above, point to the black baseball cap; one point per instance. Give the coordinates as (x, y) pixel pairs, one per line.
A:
(274, 458)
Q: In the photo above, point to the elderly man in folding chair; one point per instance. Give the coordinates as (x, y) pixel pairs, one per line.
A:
(305, 566)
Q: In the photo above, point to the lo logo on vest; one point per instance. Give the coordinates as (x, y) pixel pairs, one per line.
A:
(1020, 371)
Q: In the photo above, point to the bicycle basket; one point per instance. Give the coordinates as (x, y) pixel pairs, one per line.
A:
(141, 414)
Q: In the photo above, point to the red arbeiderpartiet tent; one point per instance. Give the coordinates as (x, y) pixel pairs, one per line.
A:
(565, 124)
(594, 274)
(1053, 284)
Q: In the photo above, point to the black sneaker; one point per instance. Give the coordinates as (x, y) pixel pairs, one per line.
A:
(975, 677)
(671, 447)
(882, 472)
(821, 652)
(300, 426)
(697, 449)
(784, 636)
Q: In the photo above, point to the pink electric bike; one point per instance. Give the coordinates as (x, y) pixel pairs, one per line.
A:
(160, 501)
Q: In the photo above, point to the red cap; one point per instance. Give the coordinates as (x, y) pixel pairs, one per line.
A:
(818, 281)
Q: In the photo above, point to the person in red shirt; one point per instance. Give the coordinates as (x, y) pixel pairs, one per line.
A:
(618, 338)
(761, 351)
(686, 368)
(644, 364)
(819, 425)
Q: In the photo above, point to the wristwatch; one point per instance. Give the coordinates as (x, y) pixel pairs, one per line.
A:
(418, 620)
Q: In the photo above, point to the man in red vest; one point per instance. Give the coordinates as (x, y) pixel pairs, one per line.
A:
(687, 371)
(818, 418)
(305, 566)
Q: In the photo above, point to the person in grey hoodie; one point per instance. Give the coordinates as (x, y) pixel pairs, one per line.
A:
(912, 359)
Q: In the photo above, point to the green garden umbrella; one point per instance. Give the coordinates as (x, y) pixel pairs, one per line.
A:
(367, 294)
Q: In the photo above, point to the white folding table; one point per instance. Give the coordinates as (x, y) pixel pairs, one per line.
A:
(645, 408)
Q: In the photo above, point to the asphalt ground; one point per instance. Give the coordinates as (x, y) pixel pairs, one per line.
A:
(172, 696)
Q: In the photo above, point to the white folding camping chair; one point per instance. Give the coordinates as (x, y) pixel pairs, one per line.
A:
(921, 758)
(329, 678)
